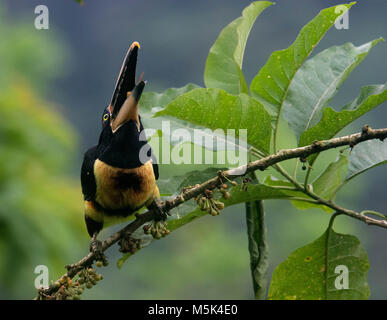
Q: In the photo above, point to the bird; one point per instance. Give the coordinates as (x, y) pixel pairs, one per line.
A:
(118, 175)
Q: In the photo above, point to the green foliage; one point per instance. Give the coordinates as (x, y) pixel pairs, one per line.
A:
(327, 183)
(331, 178)
(41, 208)
(309, 272)
(365, 156)
(296, 89)
(216, 109)
(258, 247)
(224, 63)
(333, 121)
(29, 55)
(270, 86)
(317, 81)
(151, 102)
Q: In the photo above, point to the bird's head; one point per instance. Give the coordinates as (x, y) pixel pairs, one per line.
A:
(121, 123)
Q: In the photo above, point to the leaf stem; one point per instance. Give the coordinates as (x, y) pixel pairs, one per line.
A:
(375, 213)
(303, 199)
(295, 169)
(307, 177)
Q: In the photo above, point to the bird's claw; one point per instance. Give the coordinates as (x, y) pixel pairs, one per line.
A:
(96, 248)
(161, 212)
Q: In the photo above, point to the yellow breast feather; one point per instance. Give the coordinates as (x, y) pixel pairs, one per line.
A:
(121, 188)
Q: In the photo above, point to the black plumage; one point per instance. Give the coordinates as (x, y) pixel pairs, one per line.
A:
(118, 174)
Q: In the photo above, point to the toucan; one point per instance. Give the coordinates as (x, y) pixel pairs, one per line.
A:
(118, 175)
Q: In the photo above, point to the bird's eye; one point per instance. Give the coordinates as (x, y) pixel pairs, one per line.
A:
(105, 117)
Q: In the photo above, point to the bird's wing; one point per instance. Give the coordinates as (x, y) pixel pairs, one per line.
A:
(87, 174)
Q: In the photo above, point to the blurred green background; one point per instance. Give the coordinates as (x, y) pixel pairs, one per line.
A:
(54, 85)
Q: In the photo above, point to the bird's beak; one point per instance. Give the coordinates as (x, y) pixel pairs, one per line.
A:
(129, 109)
(126, 80)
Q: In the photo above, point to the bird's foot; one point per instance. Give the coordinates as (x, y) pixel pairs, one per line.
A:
(158, 227)
(96, 248)
(160, 210)
(129, 244)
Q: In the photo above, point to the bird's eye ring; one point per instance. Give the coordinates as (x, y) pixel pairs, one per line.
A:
(105, 117)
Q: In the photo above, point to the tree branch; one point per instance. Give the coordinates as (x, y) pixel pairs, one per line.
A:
(261, 164)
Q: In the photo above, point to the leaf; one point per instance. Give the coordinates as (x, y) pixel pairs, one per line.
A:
(331, 178)
(299, 204)
(258, 247)
(317, 82)
(175, 184)
(216, 109)
(333, 121)
(270, 86)
(224, 63)
(260, 192)
(309, 272)
(151, 102)
(365, 156)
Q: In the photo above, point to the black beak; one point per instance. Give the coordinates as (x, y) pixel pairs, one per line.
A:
(126, 79)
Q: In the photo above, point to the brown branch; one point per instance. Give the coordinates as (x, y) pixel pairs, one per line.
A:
(261, 164)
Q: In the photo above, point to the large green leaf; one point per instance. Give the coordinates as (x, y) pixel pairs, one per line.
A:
(333, 121)
(217, 109)
(224, 63)
(317, 82)
(309, 272)
(271, 84)
(366, 155)
(151, 102)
